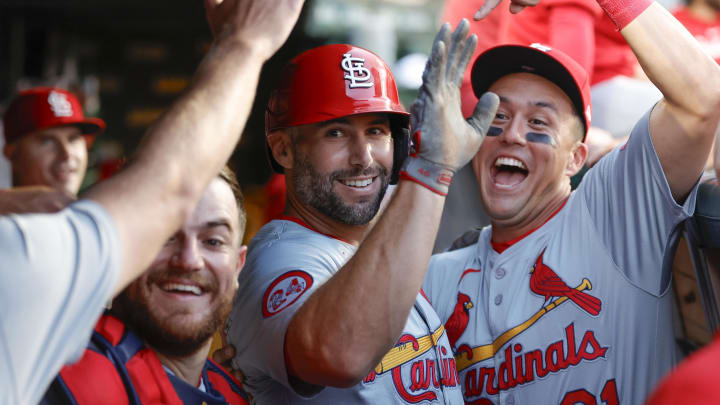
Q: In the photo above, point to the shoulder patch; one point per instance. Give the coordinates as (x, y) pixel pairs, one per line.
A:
(284, 291)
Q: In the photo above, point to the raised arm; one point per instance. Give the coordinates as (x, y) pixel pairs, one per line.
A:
(683, 124)
(342, 331)
(189, 144)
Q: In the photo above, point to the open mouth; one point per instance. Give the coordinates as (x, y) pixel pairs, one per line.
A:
(357, 183)
(508, 172)
(176, 288)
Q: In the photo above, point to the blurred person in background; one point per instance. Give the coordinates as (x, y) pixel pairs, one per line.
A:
(702, 20)
(47, 138)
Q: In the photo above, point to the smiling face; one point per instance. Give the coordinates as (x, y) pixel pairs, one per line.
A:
(54, 157)
(341, 168)
(187, 292)
(525, 163)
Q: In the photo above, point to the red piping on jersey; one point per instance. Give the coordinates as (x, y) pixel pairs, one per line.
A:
(426, 297)
(502, 246)
(468, 271)
(303, 223)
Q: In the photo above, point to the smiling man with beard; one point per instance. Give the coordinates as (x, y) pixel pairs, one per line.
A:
(152, 346)
(330, 309)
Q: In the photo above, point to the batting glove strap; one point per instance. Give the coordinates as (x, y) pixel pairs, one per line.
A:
(433, 176)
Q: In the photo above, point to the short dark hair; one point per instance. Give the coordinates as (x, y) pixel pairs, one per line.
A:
(579, 128)
(229, 177)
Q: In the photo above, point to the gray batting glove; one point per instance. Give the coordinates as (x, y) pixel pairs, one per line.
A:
(443, 140)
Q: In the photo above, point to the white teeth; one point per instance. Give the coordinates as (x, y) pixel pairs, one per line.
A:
(357, 183)
(182, 287)
(507, 161)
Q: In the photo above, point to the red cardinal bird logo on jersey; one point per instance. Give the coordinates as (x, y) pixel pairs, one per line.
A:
(544, 281)
(458, 321)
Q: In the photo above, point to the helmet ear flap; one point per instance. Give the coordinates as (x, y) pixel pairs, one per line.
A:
(401, 149)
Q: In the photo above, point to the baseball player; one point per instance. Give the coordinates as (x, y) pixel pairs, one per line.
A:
(59, 270)
(565, 298)
(47, 138)
(159, 329)
(331, 309)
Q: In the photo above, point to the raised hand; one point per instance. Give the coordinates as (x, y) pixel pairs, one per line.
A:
(263, 24)
(444, 140)
(516, 6)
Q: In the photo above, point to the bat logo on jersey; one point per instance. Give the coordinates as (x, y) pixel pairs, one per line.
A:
(424, 373)
(544, 281)
(521, 366)
(284, 291)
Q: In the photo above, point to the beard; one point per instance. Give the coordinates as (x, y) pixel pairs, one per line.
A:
(316, 190)
(168, 335)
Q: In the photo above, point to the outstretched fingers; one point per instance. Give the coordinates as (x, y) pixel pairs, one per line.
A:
(455, 49)
(484, 112)
(468, 51)
(435, 68)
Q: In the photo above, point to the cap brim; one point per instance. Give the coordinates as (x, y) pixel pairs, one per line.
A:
(90, 126)
(503, 60)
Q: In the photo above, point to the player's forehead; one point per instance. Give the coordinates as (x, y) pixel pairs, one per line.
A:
(355, 120)
(527, 90)
(217, 209)
(64, 131)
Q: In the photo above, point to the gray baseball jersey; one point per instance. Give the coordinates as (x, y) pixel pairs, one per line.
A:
(579, 310)
(286, 262)
(57, 273)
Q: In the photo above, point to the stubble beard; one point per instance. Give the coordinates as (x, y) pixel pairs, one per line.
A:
(167, 335)
(316, 190)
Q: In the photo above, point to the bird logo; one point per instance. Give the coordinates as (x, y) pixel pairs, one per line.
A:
(458, 321)
(544, 281)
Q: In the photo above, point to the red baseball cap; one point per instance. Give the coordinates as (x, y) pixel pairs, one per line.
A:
(542, 60)
(46, 107)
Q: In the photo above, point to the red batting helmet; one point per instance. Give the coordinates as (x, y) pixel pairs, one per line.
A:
(334, 81)
(45, 107)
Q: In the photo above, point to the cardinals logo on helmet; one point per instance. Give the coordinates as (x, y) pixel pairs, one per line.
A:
(357, 73)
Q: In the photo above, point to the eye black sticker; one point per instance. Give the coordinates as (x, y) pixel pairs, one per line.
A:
(540, 138)
(494, 131)
(536, 137)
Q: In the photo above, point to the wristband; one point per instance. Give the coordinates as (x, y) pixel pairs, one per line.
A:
(622, 12)
(433, 176)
